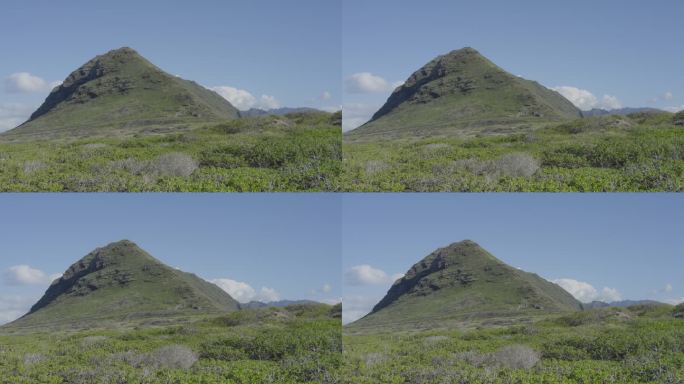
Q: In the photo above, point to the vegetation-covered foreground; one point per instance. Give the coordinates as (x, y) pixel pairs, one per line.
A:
(639, 152)
(296, 344)
(639, 344)
(297, 152)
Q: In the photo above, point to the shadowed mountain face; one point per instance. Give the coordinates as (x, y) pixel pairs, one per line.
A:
(460, 92)
(464, 283)
(122, 90)
(121, 283)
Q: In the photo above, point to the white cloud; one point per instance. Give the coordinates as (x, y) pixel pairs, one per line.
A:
(268, 294)
(675, 301)
(666, 289)
(26, 275)
(24, 82)
(244, 293)
(610, 102)
(13, 307)
(586, 292)
(13, 114)
(667, 96)
(331, 301)
(366, 82)
(675, 108)
(331, 108)
(610, 294)
(355, 307)
(368, 275)
(327, 288)
(268, 102)
(326, 96)
(244, 100)
(586, 100)
(355, 114)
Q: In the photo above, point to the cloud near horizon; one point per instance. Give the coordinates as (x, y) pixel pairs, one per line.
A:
(27, 275)
(585, 100)
(24, 82)
(355, 307)
(356, 114)
(586, 292)
(244, 293)
(244, 100)
(366, 82)
(13, 307)
(367, 275)
(13, 114)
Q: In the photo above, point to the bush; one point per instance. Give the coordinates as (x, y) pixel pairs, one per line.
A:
(173, 356)
(173, 164)
(678, 311)
(678, 118)
(512, 164)
(375, 358)
(375, 166)
(33, 358)
(517, 165)
(516, 357)
(33, 165)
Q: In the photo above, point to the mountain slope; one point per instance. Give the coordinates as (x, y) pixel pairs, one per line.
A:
(618, 112)
(463, 283)
(121, 283)
(463, 92)
(121, 90)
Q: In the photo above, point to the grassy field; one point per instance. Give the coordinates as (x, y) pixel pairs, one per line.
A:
(640, 344)
(297, 152)
(296, 344)
(639, 152)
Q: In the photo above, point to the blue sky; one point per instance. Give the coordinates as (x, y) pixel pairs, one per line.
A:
(629, 51)
(289, 52)
(286, 243)
(623, 246)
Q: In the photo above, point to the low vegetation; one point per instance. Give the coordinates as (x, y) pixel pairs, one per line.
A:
(297, 152)
(639, 152)
(639, 344)
(296, 344)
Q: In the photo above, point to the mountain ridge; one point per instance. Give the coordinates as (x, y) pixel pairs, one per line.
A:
(463, 283)
(123, 91)
(121, 283)
(464, 92)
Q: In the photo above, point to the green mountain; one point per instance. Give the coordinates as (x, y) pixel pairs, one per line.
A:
(122, 284)
(122, 91)
(463, 284)
(462, 93)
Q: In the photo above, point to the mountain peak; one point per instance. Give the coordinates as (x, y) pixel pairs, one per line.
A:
(464, 53)
(121, 90)
(462, 92)
(121, 281)
(463, 280)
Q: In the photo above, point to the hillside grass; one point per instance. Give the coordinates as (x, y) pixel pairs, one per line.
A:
(297, 344)
(639, 152)
(641, 344)
(297, 152)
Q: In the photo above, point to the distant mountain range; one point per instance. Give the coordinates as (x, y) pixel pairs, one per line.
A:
(619, 111)
(277, 111)
(278, 304)
(622, 304)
